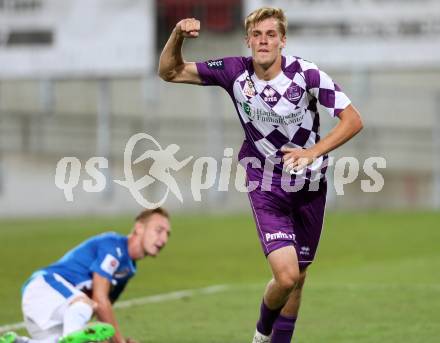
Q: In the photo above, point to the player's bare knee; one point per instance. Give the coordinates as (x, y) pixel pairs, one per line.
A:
(287, 280)
(286, 283)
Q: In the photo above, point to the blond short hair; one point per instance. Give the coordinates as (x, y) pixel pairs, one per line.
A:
(265, 13)
(146, 214)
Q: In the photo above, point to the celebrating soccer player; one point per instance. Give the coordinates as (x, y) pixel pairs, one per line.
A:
(60, 299)
(276, 98)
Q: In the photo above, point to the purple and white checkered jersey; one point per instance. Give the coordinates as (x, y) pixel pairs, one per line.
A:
(281, 112)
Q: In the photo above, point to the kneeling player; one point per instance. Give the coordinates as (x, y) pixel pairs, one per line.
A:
(59, 300)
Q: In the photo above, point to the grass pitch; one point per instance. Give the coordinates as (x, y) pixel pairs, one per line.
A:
(376, 277)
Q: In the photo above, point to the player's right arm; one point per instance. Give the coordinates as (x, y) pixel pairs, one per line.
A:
(104, 310)
(172, 67)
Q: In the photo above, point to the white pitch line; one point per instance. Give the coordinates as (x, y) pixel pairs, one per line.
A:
(11, 327)
(146, 300)
(170, 296)
(257, 286)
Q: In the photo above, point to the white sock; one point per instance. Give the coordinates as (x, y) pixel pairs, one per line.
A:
(76, 317)
(22, 339)
(51, 339)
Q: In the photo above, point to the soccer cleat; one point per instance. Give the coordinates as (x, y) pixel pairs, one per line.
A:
(8, 337)
(260, 338)
(96, 332)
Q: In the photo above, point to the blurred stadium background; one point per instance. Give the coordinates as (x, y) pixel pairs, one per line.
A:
(78, 78)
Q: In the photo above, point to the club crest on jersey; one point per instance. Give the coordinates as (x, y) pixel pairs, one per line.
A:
(217, 64)
(294, 93)
(248, 88)
(270, 95)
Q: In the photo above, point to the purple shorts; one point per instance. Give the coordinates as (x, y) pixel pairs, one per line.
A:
(290, 218)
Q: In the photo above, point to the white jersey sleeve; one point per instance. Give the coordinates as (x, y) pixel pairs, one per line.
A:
(324, 89)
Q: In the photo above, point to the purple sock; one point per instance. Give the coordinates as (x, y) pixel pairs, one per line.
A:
(267, 318)
(283, 329)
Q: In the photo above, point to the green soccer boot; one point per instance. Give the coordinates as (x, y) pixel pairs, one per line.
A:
(96, 332)
(8, 337)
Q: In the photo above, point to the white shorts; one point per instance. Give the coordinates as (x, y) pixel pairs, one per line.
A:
(45, 299)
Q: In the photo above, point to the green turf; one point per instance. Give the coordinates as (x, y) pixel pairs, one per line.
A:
(376, 277)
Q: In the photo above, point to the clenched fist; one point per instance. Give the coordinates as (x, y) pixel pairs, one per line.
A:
(188, 28)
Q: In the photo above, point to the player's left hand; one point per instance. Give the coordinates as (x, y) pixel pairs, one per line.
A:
(130, 340)
(296, 159)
